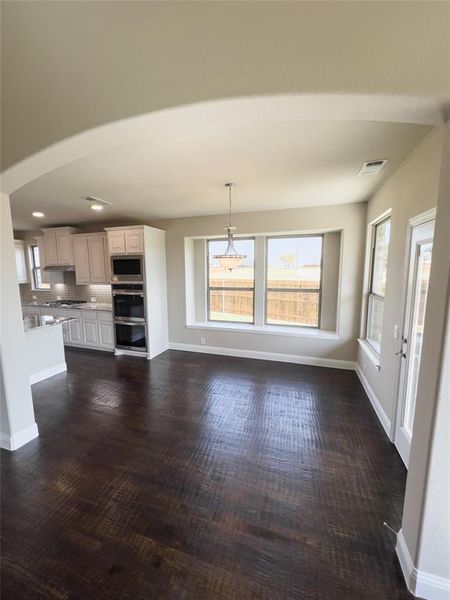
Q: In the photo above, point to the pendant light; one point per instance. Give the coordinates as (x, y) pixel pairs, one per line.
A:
(231, 259)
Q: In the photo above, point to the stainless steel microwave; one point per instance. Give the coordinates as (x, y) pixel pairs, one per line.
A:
(127, 269)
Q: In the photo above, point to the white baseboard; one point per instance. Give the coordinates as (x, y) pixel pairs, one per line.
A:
(421, 584)
(45, 373)
(382, 416)
(16, 440)
(259, 355)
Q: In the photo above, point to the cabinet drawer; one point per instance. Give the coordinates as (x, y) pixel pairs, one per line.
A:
(73, 312)
(89, 315)
(52, 312)
(104, 315)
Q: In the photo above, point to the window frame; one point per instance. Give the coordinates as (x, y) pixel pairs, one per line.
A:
(370, 292)
(306, 290)
(34, 269)
(236, 289)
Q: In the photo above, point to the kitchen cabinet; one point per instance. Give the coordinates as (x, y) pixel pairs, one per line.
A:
(75, 333)
(21, 262)
(126, 240)
(106, 335)
(93, 328)
(90, 332)
(58, 246)
(47, 276)
(91, 258)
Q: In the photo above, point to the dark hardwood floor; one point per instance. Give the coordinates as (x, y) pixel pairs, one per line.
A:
(197, 477)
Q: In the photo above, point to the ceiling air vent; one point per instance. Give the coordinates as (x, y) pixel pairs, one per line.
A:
(372, 167)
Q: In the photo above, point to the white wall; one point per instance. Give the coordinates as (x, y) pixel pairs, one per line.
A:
(17, 414)
(411, 190)
(349, 218)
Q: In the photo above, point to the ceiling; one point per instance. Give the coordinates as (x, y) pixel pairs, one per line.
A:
(276, 165)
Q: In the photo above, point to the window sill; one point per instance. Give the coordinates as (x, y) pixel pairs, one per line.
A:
(319, 334)
(370, 353)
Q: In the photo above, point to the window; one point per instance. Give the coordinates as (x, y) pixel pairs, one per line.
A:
(231, 293)
(36, 269)
(378, 269)
(294, 277)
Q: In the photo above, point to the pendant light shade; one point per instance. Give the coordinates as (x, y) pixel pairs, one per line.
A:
(231, 259)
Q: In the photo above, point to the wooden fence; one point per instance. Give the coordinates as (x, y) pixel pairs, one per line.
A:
(282, 307)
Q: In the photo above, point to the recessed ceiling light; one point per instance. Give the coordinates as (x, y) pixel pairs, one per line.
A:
(96, 207)
(38, 214)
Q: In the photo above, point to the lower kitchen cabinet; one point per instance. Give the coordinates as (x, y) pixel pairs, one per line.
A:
(93, 328)
(74, 333)
(90, 332)
(105, 335)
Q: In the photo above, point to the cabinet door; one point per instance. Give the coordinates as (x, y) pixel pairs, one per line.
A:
(134, 241)
(51, 252)
(97, 261)
(66, 334)
(75, 332)
(81, 257)
(47, 276)
(106, 335)
(21, 264)
(64, 247)
(116, 242)
(29, 311)
(90, 333)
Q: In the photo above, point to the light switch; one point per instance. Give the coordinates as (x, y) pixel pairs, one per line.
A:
(395, 331)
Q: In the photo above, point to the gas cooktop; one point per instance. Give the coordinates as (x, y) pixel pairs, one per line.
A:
(56, 303)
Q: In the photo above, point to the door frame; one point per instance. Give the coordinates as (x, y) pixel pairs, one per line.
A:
(419, 219)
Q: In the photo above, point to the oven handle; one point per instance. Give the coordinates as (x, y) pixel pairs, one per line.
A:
(117, 293)
(129, 322)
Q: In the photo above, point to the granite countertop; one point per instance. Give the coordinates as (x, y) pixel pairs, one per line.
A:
(35, 322)
(82, 306)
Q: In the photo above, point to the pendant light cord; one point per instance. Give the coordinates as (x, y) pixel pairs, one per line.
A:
(229, 210)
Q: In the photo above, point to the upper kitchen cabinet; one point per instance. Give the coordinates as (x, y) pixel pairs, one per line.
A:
(59, 246)
(126, 240)
(21, 263)
(91, 258)
(47, 276)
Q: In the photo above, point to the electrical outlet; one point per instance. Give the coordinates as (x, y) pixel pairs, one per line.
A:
(395, 331)
(34, 297)
(93, 299)
(202, 340)
(58, 297)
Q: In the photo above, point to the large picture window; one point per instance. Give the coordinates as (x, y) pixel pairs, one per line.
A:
(231, 293)
(294, 276)
(378, 269)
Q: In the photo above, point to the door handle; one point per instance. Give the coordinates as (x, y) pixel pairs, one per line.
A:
(401, 353)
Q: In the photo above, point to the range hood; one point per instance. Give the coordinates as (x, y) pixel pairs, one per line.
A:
(59, 268)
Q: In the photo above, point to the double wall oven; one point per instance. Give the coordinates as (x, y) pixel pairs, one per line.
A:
(129, 316)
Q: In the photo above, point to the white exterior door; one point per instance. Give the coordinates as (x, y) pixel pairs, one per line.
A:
(410, 354)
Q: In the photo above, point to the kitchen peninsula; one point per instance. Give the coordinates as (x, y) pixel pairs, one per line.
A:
(45, 346)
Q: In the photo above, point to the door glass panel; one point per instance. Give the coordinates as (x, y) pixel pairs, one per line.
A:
(415, 341)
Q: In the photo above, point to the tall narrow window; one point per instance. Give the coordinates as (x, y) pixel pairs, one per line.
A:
(294, 276)
(231, 293)
(378, 269)
(36, 269)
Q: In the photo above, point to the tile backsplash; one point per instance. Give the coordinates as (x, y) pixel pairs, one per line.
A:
(68, 290)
